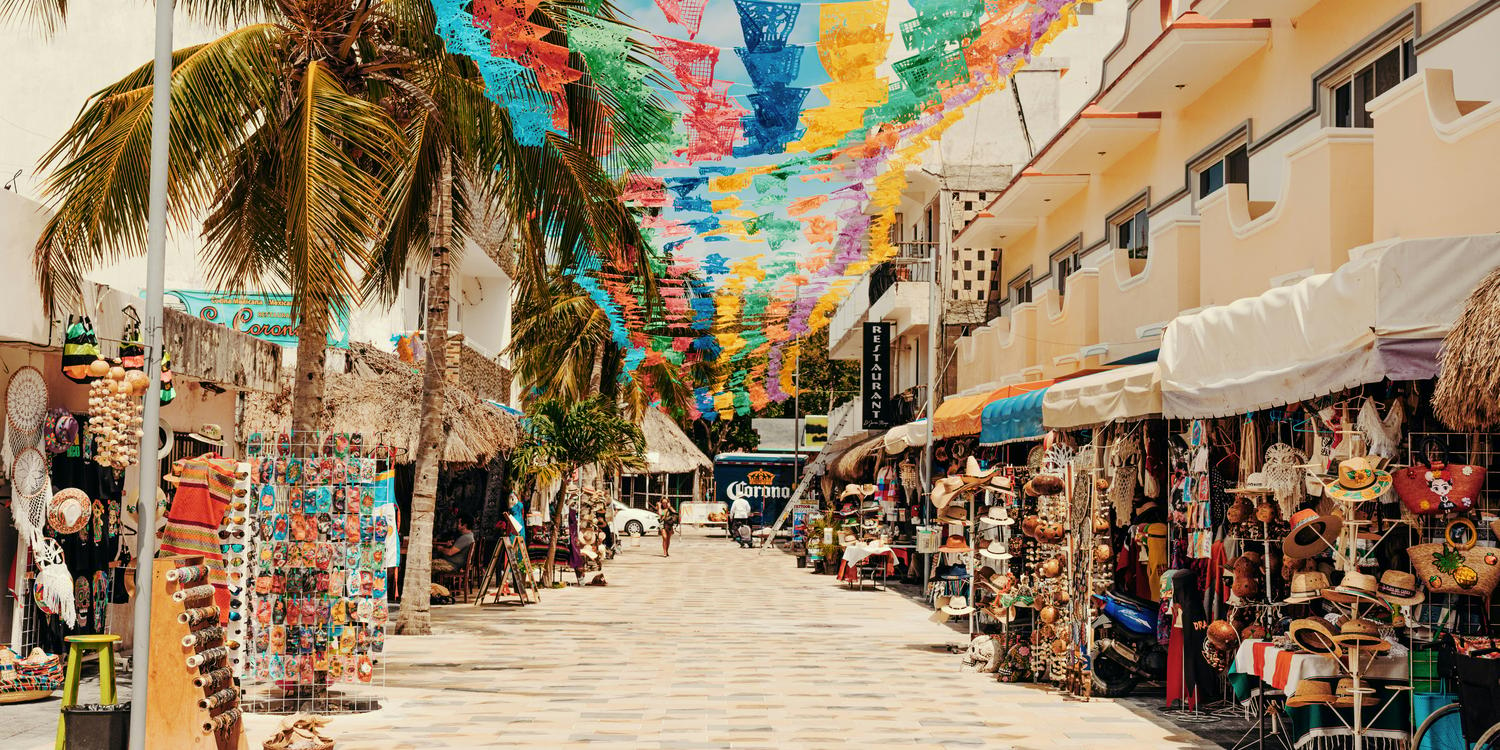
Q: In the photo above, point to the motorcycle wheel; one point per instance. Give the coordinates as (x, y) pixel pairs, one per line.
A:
(1111, 680)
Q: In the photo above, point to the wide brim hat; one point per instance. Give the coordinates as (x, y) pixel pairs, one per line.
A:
(996, 550)
(69, 510)
(1363, 635)
(1255, 484)
(1361, 588)
(1000, 613)
(1307, 585)
(975, 475)
(945, 490)
(869, 506)
(953, 514)
(1313, 635)
(1310, 692)
(1400, 587)
(850, 490)
(1358, 481)
(211, 434)
(955, 543)
(166, 438)
(996, 516)
(867, 490)
(1311, 534)
(957, 606)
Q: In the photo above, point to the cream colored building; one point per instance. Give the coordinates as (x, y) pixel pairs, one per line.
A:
(1234, 146)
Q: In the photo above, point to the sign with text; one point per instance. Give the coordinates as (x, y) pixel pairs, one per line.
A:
(876, 386)
(264, 316)
(814, 430)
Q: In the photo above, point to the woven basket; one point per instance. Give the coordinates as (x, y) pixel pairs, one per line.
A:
(1484, 562)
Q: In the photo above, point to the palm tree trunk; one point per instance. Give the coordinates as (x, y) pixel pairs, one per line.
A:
(559, 505)
(596, 376)
(307, 389)
(416, 600)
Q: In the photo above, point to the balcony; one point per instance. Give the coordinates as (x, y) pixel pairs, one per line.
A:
(1189, 56)
(845, 332)
(1138, 298)
(1220, 9)
(1067, 326)
(1096, 139)
(1434, 160)
(1003, 352)
(900, 288)
(1030, 197)
(1324, 210)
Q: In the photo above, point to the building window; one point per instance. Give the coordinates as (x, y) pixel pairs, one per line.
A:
(1020, 289)
(1373, 75)
(1130, 231)
(1232, 166)
(1064, 263)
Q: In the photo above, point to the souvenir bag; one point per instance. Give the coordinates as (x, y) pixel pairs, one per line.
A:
(1430, 488)
(1457, 565)
(80, 349)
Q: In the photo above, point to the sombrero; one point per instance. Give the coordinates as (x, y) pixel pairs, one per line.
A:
(1311, 533)
(69, 510)
(945, 490)
(1358, 481)
(1361, 634)
(975, 475)
(996, 550)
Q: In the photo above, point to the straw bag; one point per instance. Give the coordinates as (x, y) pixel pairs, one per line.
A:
(1432, 487)
(1456, 565)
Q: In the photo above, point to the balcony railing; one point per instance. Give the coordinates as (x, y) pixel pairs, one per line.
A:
(910, 264)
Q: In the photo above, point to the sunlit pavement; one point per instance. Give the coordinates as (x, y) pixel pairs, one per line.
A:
(714, 647)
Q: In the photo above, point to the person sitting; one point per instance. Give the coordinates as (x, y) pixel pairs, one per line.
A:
(454, 555)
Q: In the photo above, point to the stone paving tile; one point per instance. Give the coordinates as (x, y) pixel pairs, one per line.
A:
(715, 647)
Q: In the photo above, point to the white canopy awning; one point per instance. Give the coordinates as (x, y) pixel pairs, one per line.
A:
(1381, 315)
(1128, 392)
(909, 435)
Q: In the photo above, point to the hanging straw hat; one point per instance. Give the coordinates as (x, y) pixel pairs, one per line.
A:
(997, 515)
(1311, 534)
(1358, 481)
(954, 543)
(957, 606)
(1361, 634)
(69, 511)
(945, 490)
(1307, 585)
(973, 474)
(953, 514)
(1400, 587)
(1345, 693)
(1312, 634)
(1361, 588)
(996, 550)
(1310, 692)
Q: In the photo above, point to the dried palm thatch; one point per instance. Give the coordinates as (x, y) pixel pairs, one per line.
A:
(1467, 397)
(381, 397)
(668, 451)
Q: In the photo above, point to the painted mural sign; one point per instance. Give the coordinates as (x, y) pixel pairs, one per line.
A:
(265, 316)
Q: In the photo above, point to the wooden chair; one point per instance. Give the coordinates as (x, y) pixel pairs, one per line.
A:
(462, 579)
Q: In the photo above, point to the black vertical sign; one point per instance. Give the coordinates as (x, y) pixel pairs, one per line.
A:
(877, 376)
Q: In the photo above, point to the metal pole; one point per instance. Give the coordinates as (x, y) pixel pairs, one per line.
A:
(150, 468)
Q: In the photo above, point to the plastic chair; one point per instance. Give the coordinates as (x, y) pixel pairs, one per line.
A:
(104, 645)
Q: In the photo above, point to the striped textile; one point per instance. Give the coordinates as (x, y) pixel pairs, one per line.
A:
(193, 521)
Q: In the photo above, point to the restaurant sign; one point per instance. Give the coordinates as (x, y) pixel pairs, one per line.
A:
(878, 409)
(264, 316)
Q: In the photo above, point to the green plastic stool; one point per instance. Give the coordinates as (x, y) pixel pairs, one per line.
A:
(77, 644)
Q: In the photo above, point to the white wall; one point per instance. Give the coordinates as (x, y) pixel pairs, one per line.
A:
(1473, 56)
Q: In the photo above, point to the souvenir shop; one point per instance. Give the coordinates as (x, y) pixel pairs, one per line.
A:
(74, 393)
(868, 529)
(1303, 530)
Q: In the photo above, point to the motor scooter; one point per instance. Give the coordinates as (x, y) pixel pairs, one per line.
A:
(1125, 650)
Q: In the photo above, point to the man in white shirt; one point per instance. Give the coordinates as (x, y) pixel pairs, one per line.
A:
(740, 526)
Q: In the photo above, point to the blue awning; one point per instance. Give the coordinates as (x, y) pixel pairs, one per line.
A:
(1010, 419)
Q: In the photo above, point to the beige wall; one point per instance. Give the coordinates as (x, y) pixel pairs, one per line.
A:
(1315, 193)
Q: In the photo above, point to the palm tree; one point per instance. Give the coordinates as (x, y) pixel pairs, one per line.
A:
(563, 437)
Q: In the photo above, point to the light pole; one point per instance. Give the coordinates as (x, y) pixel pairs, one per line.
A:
(150, 467)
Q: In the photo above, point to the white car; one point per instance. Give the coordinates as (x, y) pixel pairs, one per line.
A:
(636, 521)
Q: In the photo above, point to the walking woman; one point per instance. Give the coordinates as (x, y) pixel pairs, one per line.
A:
(668, 517)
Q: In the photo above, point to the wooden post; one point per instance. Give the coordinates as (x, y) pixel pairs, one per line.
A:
(174, 718)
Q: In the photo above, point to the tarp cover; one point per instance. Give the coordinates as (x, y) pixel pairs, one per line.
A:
(1123, 393)
(1381, 315)
(1014, 418)
(959, 416)
(909, 435)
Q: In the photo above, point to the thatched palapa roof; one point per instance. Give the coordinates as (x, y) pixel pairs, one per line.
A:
(1467, 397)
(668, 451)
(381, 397)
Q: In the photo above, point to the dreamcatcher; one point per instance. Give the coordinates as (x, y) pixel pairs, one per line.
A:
(1125, 465)
(25, 413)
(31, 486)
(54, 585)
(1283, 473)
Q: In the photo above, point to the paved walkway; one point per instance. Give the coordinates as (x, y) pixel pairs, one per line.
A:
(714, 647)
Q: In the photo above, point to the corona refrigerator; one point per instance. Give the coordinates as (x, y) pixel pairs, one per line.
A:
(765, 479)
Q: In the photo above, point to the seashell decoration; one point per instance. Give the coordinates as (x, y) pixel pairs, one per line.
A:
(115, 413)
